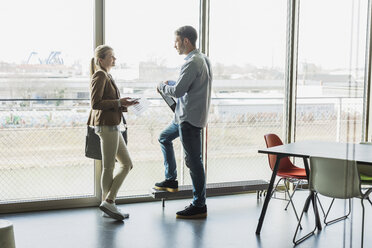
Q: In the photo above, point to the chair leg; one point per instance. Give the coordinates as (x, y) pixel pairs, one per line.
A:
(290, 201)
(337, 219)
(274, 189)
(296, 242)
(287, 194)
(291, 196)
(321, 206)
(369, 200)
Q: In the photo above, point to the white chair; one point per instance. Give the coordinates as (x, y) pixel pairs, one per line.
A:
(335, 178)
(6, 234)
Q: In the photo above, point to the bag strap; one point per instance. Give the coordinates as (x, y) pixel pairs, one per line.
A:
(124, 121)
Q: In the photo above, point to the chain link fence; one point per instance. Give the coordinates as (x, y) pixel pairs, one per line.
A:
(329, 119)
(235, 132)
(41, 151)
(42, 143)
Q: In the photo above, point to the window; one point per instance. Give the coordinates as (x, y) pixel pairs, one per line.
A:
(44, 55)
(247, 51)
(331, 70)
(44, 87)
(143, 41)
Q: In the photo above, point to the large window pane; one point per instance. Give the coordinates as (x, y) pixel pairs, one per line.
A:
(331, 70)
(45, 50)
(247, 51)
(142, 35)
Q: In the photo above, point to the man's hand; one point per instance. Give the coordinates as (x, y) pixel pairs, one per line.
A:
(161, 86)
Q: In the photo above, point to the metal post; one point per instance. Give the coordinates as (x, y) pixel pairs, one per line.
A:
(367, 104)
(99, 23)
(291, 71)
(98, 39)
(204, 48)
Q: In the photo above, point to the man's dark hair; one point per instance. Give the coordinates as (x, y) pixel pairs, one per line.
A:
(187, 32)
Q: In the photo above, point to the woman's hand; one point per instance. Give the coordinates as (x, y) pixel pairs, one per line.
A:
(127, 101)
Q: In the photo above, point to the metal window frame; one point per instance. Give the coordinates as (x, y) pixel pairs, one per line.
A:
(367, 103)
(99, 23)
(204, 14)
(289, 111)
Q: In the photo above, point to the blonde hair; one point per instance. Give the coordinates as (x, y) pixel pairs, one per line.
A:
(99, 53)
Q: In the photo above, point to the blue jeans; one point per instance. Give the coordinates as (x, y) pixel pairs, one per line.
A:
(166, 143)
(192, 144)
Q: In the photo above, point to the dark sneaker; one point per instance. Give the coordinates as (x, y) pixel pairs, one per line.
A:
(192, 212)
(168, 185)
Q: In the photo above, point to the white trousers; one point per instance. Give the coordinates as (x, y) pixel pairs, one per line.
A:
(113, 147)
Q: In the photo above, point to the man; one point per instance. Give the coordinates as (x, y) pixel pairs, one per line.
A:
(193, 90)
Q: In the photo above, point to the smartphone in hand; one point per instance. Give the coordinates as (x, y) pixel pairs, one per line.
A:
(171, 82)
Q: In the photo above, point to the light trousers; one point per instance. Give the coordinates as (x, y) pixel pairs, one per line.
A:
(113, 147)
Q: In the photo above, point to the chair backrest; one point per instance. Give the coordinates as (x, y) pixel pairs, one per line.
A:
(271, 141)
(336, 178)
(364, 168)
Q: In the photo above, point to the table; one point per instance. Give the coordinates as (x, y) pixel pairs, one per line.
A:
(305, 149)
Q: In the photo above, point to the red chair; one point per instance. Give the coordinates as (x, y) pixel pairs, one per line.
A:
(287, 170)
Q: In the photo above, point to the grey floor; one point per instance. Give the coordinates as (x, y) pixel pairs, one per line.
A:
(231, 222)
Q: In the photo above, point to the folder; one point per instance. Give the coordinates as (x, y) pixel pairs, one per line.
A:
(170, 101)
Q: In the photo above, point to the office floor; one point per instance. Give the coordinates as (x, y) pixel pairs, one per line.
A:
(231, 222)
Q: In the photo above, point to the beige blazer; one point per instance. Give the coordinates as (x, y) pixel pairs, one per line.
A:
(104, 101)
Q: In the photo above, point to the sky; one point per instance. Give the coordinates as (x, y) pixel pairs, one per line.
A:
(326, 28)
(241, 32)
(44, 26)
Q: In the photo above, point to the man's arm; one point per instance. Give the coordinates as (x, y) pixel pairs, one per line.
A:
(187, 76)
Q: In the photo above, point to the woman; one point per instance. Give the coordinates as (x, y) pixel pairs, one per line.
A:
(105, 116)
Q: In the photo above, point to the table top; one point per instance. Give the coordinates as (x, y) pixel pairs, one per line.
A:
(358, 152)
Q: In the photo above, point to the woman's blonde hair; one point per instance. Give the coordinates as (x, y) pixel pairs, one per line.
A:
(99, 53)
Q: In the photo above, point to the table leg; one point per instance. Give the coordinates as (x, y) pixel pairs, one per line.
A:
(268, 195)
(307, 203)
(312, 198)
(316, 213)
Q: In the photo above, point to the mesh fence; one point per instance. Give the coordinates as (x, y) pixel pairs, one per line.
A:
(143, 146)
(42, 143)
(235, 133)
(41, 151)
(329, 119)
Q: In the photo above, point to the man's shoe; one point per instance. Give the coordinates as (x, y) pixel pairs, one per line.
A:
(192, 212)
(168, 185)
(111, 210)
